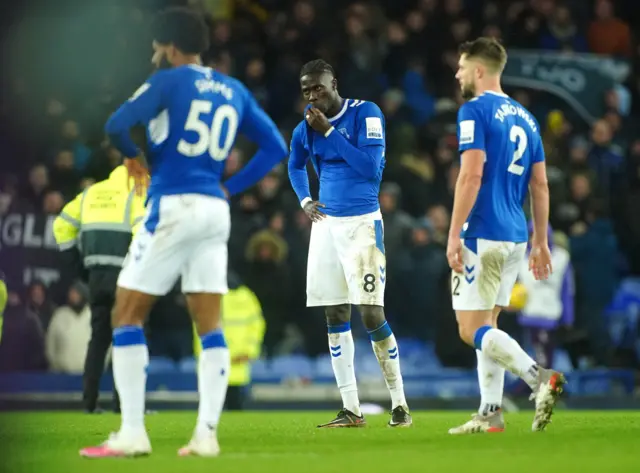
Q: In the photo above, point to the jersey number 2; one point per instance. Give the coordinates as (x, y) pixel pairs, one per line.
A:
(519, 137)
(209, 136)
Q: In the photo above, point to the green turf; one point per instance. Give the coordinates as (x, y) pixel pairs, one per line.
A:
(603, 442)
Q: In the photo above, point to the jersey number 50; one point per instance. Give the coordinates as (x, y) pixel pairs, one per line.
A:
(519, 137)
(209, 137)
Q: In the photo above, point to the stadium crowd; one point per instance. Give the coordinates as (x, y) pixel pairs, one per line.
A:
(400, 54)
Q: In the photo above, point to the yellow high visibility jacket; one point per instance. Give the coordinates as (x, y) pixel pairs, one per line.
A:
(101, 221)
(244, 328)
(3, 303)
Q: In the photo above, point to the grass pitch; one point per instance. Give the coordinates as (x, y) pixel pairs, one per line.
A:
(289, 442)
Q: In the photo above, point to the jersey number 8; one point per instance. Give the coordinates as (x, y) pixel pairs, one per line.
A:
(209, 137)
(519, 137)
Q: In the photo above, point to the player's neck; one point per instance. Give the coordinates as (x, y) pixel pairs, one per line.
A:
(187, 60)
(335, 108)
(490, 87)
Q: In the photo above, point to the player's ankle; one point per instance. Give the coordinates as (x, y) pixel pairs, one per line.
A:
(132, 432)
(397, 398)
(352, 405)
(205, 430)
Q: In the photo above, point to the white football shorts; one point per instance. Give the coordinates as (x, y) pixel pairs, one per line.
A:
(181, 236)
(490, 271)
(346, 262)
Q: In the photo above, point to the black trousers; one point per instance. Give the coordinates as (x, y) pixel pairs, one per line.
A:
(102, 291)
(235, 399)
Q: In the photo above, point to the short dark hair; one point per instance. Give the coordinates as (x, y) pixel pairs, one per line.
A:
(182, 27)
(488, 50)
(317, 66)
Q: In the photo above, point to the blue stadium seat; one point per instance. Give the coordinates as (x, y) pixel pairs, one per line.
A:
(161, 364)
(260, 370)
(367, 365)
(323, 366)
(188, 365)
(362, 345)
(292, 366)
(562, 362)
(417, 352)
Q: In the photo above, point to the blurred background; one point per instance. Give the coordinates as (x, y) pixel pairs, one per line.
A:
(575, 64)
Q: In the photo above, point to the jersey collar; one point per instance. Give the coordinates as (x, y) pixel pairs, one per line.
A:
(341, 112)
(493, 92)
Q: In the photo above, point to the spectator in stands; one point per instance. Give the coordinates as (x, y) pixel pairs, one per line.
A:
(255, 80)
(272, 196)
(607, 33)
(52, 203)
(38, 184)
(572, 212)
(397, 118)
(9, 194)
(22, 338)
(562, 33)
(63, 174)
(594, 257)
(398, 226)
(421, 267)
(525, 26)
(554, 138)
(268, 276)
(397, 223)
(103, 162)
(605, 158)
(440, 218)
(578, 154)
(247, 218)
(397, 57)
(69, 332)
(416, 178)
(70, 139)
(39, 303)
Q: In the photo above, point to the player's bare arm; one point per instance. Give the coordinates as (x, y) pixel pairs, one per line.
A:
(466, 193)
(540, 257)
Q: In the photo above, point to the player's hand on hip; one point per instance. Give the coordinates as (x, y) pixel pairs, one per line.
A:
(312, 209)
(540, 261)
(139, 174)
(454, 254)
(317, 120)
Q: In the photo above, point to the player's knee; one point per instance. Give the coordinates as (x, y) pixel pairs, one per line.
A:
(466, 334)
(131, 308)
(372, 316)
(337, 314)
(205, 311)
(468, 325)
(494, 316)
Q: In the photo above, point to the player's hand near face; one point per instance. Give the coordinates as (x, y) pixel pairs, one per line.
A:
(139, 173)
(540, 261)
(312, 209)
(454, 253)
(317, 120)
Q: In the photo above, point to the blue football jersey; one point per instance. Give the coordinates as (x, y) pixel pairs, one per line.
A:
(192, 115)
(349, 161)
(510, 137)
